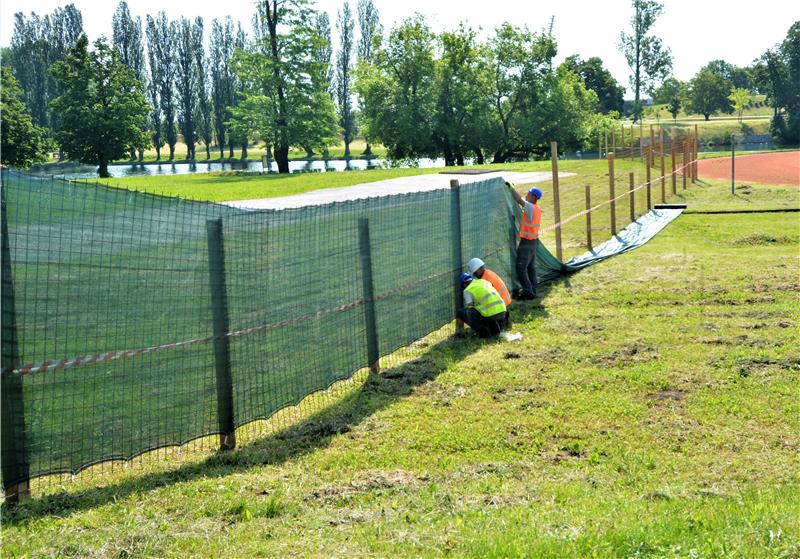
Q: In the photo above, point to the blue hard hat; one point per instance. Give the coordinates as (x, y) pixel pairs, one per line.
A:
(466, 278)
(536, 192)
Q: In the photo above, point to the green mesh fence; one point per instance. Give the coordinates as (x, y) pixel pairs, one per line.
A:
(228, 315)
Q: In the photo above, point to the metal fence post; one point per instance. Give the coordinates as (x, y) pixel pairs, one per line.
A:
(455, 237)
(556, 198)
(14, 458)
(222, 356)
(611, 193)
(373, 356)
(588, 217)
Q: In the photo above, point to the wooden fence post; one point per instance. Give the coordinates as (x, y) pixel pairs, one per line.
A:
(373, 352)
(632, 200)
(650, 156)
(663, 172)
(14, 459)
(556, 198)
(696, 151)
(611, 193)
(455, 237)
(222, 355)
(652, 145)
(685, 160)
(672, 143)
(588, 217)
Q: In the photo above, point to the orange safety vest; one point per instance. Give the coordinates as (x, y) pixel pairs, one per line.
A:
(530, 229)
(498, 285)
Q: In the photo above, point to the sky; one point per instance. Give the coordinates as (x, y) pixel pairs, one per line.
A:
(697, 31)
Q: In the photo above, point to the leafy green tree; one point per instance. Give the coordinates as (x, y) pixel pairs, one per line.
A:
(671, 93)
(344, 75)
(21, 142)
(708, 93)
(127, 38)
(739, 98)
(649, 60)
(205, 125)
(103, 108)
(518, 62)
(222, 77)
(161, 46)
(369, 36)
(739, 77)
(598, 79)
(398, 91)
(186, 83)
(285, 96)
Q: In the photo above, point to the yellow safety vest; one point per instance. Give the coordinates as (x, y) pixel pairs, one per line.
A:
(487, 300)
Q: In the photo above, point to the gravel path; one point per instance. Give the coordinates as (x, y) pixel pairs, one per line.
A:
(387, 187)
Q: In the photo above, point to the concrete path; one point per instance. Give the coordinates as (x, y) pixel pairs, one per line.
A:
(402, 185)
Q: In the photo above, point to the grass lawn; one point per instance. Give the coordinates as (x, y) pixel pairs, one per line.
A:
(651, 410)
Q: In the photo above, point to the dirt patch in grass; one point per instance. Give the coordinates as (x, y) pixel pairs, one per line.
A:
(763, 239)
(637, 352)
(667, 395)
(368, 481)
(761, 287)
(740, 340)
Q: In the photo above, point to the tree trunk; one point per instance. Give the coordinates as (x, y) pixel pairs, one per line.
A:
(141, 155)
(282, 157)
(309, 152)
(346, 146)
(133, 154)
(479, 156)
(171, 152)
(221, 151)
(707, 116)
(158, 152)
(368, 151)
(459, 159)
(103, 170)
(244, 150)
(499, 157)
(230, 149)
(208, 152)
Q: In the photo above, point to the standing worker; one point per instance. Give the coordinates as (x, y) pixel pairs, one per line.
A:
(478, 269)
(484, 310)
(528, 241)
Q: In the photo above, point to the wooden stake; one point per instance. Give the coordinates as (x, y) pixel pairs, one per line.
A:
(696, 150)
(663, 174)
(685, 161)
(672, 143)
(455, 239)
(611, 193)
(588, 218)
(556, 200)
(647, 176)
(631, 193)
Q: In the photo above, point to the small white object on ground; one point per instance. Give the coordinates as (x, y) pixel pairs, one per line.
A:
(507, 337)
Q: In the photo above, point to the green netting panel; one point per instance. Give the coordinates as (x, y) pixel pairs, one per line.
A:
(96, 269)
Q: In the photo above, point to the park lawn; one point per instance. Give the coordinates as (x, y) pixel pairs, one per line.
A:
(651, 410)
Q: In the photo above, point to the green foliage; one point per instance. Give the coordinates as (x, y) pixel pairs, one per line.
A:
(649, 60)
(285, 93)
(671, 92)
(708, 93)
(739, 98)
(344, 75)
(103, 108)
(598, 79)
(22, 143)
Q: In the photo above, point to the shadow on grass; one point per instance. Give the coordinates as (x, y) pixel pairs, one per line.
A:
(378, 391)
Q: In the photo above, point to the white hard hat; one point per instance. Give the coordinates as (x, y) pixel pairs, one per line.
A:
(474, 265)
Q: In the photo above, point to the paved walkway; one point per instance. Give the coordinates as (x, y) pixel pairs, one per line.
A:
(402, 185)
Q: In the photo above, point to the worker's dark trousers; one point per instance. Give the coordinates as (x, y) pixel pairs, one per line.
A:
(526, 269)
(484, 326)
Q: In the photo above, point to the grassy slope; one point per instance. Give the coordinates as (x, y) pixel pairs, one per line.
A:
(651, 410)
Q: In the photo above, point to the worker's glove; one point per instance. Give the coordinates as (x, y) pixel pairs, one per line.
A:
(509, 185)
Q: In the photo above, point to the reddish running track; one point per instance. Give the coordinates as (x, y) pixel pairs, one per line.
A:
(765, 168)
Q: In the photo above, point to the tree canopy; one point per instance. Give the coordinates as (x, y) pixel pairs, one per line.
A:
(21, 142)
(102, 108)
(598, 79)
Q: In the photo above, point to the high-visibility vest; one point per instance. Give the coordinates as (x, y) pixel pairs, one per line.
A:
(529, 229)
(498, 285)
(487, 301)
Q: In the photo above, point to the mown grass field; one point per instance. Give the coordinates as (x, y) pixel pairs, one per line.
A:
(651, 410)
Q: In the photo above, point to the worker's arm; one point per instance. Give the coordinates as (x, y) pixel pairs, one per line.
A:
(516, 194)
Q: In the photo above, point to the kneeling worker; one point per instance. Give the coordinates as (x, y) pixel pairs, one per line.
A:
(479, 270)
(484, 311)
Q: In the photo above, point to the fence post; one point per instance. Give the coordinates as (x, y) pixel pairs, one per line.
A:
(588, 217)
(650, 160)
(611, 193)
(696, 150)
(556, 199)
(14, 458)
(652, 146)
(663, 173)
(673, 139)
(631, 193)
(222, 354)
(455, 237)
(622, 137)
(373, 356)
(685, 160)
